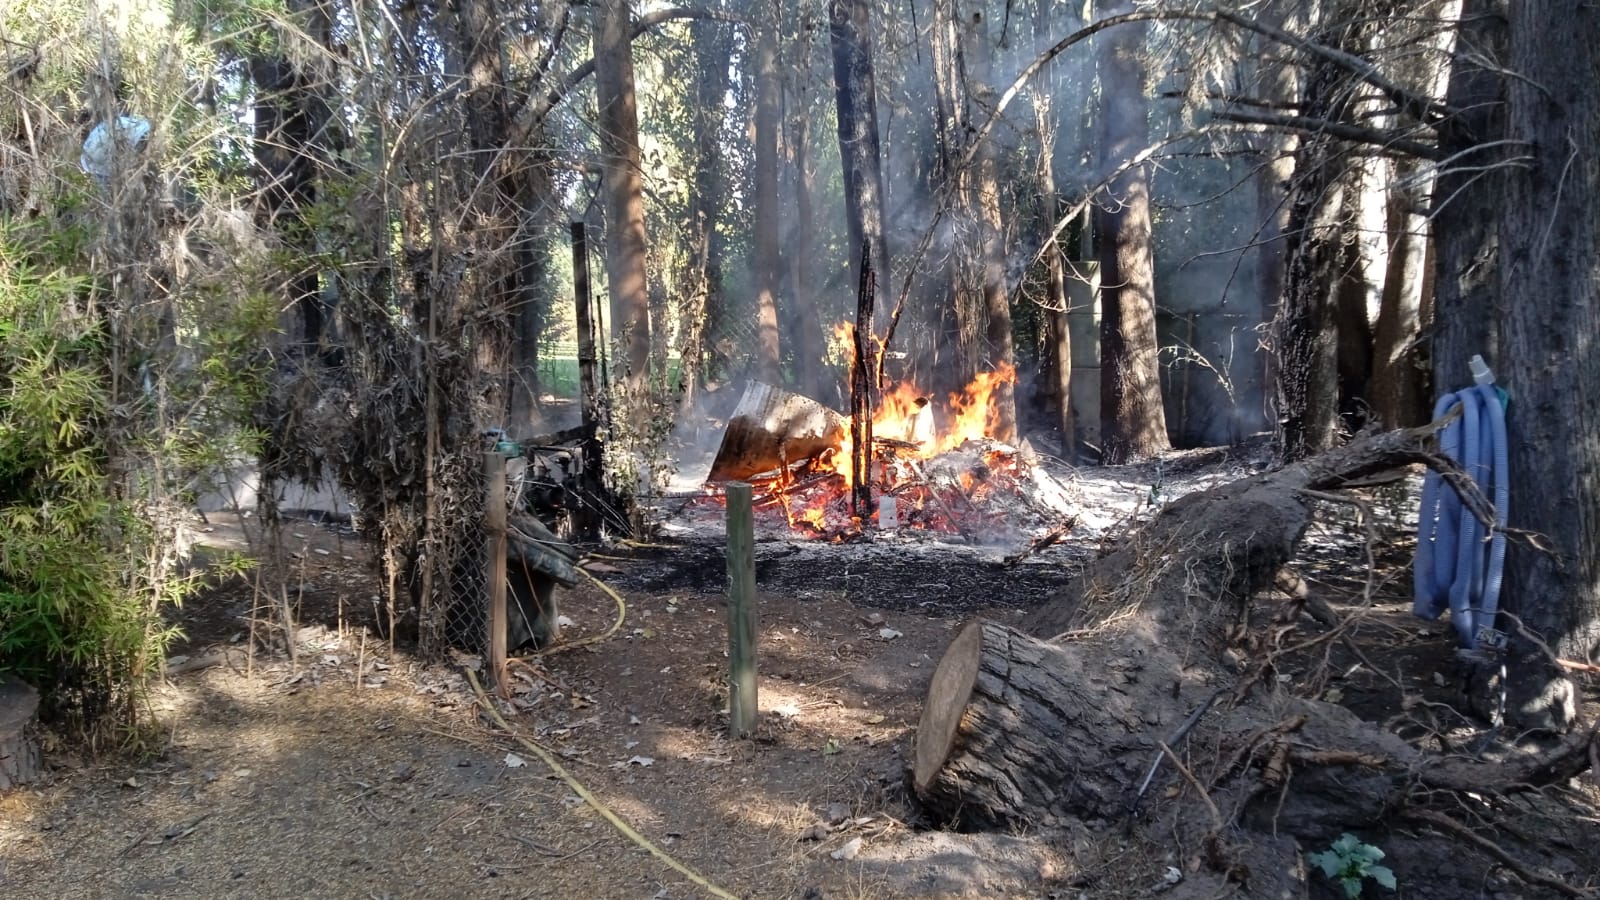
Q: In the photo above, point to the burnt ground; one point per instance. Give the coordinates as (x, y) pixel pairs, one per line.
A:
(360, 771)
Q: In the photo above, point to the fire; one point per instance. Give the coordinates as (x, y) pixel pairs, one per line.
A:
(934, 457)
(907, 414)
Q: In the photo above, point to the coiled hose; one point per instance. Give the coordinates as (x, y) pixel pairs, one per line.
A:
(1456, 568)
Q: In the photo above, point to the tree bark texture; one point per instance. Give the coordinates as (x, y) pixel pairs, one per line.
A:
(765, 226)
(1305, 336)
(855, 89)
(20, 761)
(624, 196)
(1057, 367)
(1549, 281)
(1468, 198)
(1133, 422)
(503, 259)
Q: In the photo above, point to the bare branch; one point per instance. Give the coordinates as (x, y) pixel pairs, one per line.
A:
(533, 112)
(1426, 109)
(1389, 140)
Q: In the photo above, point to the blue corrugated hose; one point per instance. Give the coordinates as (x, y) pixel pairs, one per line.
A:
(1456, 568)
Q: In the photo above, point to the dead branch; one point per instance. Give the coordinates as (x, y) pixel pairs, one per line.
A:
(1456, 829)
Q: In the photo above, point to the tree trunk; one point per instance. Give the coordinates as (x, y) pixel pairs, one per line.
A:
(1281, 85)
(1352, 325)
(953, 309)
(1057, 367)
(1467, 199)
(20, 762)
(500, 262)
(1132, 421)
(850, 30)
(806, 324)
(1399, 388)
(1549, 284)
(623, 187)
(999, 354)
(765, 226)
(1021, 729)
(706, 201)
(1322, 213)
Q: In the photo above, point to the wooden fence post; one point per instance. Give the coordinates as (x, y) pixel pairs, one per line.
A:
(494, 532)
(742, 705)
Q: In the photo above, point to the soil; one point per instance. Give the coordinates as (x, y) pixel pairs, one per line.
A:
(358, 770)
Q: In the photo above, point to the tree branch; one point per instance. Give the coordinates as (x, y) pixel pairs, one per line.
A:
(1389, 140)
(533, 112)
(1425, 109)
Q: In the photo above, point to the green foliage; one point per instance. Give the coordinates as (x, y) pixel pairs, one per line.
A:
(60, 597)
(1349, 862)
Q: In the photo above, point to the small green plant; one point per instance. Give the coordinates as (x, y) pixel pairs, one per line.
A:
(1349, 862)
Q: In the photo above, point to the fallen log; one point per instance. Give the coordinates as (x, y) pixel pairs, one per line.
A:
(1017, 730)
(20, 761)
(1065, 721)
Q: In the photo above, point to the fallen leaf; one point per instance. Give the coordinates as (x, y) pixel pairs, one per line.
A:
(514, 761)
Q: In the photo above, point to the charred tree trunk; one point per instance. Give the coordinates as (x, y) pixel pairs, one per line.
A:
(1133, 423)
(856, 93)
(624, 198)
(1354, 329)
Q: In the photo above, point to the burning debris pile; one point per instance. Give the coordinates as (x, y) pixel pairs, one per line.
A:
(932, 467)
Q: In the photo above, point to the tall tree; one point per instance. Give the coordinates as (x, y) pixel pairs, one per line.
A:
(1133, 423)
(1399, 385)
(707, 196)
(1549, 280)
(856, 95)
(803, 320)
(1057, 366)
(623, 186)
(983, 197)
(1322, 209)
(765, 226)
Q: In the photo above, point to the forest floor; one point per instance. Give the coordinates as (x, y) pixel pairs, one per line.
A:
(358, 770)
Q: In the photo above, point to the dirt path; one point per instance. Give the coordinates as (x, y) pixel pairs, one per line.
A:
(294, 782)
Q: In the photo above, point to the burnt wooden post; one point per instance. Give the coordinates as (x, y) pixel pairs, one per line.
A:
(585, 521)
(861, 381)
(742, 705)
(494, 532)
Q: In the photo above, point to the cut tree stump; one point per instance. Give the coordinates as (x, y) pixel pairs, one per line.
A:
(771, 428)
(1016, 731)
(20, 762)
